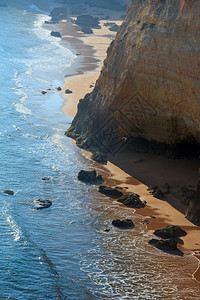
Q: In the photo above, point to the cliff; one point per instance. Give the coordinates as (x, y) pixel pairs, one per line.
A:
(149, 87)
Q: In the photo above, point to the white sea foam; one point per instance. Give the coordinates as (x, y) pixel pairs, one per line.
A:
(22, 109)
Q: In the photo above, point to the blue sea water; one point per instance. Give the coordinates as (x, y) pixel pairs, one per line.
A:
(62, 252)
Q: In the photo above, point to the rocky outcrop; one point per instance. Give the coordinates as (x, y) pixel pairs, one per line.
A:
(123, 224)
(171, 231)
(149, 87)
(41, 204)
(132, 200)
(90, 177)
(166, 245)
(110, 192)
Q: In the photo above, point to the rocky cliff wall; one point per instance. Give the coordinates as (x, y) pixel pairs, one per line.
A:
(149, 86)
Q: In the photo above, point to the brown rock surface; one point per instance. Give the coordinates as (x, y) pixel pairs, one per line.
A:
(150, 82)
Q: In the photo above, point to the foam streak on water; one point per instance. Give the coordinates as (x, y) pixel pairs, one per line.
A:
(62, 252)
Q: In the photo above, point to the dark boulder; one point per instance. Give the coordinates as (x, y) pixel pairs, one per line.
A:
(40, 204)
(68, 91)
(8, 192)
(59, 89)
(171, 231)
(99, 157)
(132, 200)
(45, 178)
(110, 192)
(43, 92)
(56, 34)
(87, 30)
(169, 244)
(87, 20)
(123, 224)
(90, 177)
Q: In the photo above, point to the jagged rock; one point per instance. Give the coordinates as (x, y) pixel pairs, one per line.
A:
(68, 91)
(110, 192)
(43, 92)
(156, 192)
(56, 34)
(40, 204)
(171, 231)
(59, 89)
(169, 244)
(87, 20)
(8, 192)
(123, 224)
(99, 157)
(132, 200)
(90, 177)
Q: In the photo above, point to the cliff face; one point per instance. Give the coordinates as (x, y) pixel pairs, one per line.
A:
(149, 86)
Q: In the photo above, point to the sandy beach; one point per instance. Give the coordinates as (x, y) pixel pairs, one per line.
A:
(135, 171)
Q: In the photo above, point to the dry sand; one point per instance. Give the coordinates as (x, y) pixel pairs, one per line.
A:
(138, 171)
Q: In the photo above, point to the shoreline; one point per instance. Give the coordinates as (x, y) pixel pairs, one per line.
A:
(81, 82)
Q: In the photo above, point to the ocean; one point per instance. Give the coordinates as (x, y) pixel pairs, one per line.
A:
(62, 252)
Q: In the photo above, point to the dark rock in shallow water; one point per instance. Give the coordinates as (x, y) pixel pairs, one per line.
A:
(59, 89)
(43, 92)
(169, 244)
(99, 157)
(56, 34)
(90, 177)
(123, 224)
(110, 192)
(40, 204)
(8, 192)
(171, 231)
(132, 200)
(45, 178)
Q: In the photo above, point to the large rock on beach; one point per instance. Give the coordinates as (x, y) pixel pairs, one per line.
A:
(171, 231)
(132, 200)
(90, 177)
(40, 203)
(56, 34)
(88, 21)
(110, 192)
(168, 245)
(123, 224)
